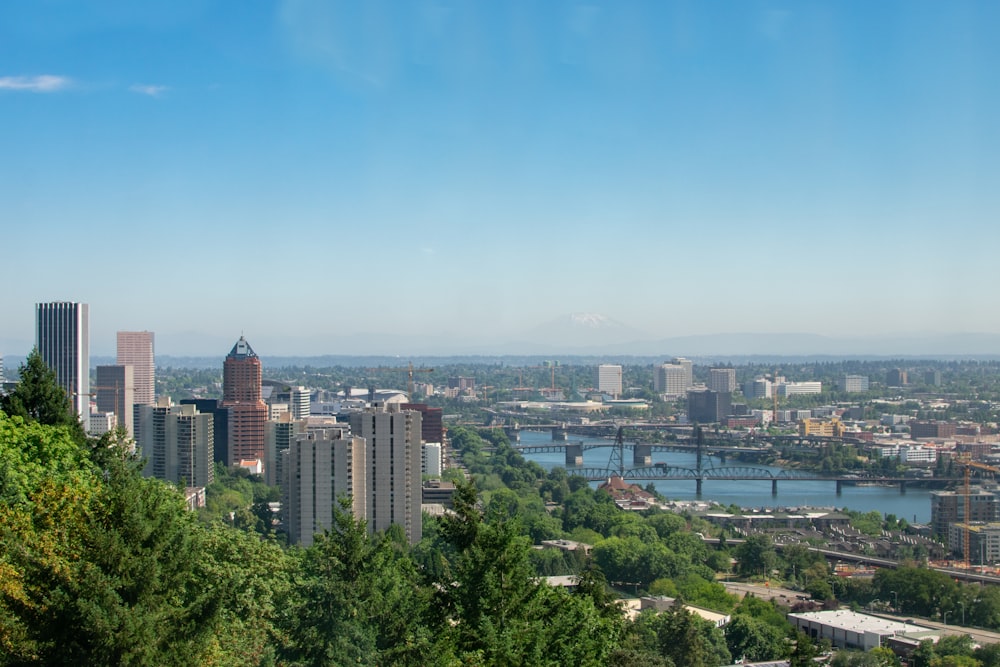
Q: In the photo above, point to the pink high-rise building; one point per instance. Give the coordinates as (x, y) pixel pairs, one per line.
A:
(135, 349)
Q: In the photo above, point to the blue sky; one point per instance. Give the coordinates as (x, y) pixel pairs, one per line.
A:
(305, 169)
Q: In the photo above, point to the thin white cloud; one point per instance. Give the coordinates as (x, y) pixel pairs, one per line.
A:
(152, 91)
(45, 83)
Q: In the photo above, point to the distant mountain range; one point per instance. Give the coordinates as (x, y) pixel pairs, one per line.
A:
(572, 335)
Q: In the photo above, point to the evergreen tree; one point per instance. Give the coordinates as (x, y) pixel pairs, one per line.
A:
(39, 398)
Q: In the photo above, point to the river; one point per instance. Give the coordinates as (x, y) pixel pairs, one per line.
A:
(914, 505)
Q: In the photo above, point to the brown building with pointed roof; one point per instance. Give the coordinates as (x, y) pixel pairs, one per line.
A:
(241, 395)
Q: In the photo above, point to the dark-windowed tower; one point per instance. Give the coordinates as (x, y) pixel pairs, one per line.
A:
(63, 340)
(241, 396)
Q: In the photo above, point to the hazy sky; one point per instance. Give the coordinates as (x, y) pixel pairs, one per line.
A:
(473, 169)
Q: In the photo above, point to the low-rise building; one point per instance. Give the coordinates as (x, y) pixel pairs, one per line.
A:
(850, 629)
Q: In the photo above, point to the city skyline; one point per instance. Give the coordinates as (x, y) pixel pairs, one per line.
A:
(681, 170)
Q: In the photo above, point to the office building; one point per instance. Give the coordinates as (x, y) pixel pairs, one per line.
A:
(300, 402)
(115, 392)
(63, 341)
(176, 441)
(318, 468)
(671, 379)
(722, 380)
(430, 462)
(393, 464)
(281, 432)
(2, 380)
(932, 378)
(757, 388)
(462, 384)
(853, 384)
(135, 349)
(608, 379)
(241, 395)
(799, 388)
(431, 421)
(897, 377)
(707, 407)
(101, 423)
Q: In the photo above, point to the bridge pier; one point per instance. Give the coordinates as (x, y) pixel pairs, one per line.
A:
(642, 455)
(840, 487)
(558, 433)
(902, 486)
(574, 455)
(774, 487)
(513, 433)
(697, 486)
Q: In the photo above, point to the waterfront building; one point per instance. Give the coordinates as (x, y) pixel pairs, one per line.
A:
(853, 384)
(177, 442)
(63, 341)
(722, 380)
(984, 541)
(948, 507)
(319, 467)
(932, 429)
(135, 349)
(608, 379)
(241, 395)
(830, 428)
(393, 465)
(115, 393)
(706, 406)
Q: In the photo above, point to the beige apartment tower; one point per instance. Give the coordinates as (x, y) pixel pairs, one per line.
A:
(135, 349)
(393, 461)
(319, 468)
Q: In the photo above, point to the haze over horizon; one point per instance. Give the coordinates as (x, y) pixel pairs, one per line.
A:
(422, 176)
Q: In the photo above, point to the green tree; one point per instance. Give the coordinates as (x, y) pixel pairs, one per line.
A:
(356, 600)
(107, 572)
(753, 639)
(756, 556)
(39, 398)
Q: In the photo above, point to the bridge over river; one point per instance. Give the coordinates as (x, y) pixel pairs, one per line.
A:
(642, 468)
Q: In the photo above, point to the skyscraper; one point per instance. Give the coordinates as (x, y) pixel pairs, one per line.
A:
(393, 454)
(241, 395)
(115, 393)
(135, 348)
(63, 341)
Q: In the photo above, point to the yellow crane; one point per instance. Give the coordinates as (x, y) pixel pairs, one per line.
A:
(410, 370)
(965, 460)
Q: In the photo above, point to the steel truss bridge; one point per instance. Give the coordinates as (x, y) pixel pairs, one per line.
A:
(616, 467)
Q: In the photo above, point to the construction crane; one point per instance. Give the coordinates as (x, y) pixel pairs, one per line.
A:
(410, 370)
(965, 460)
